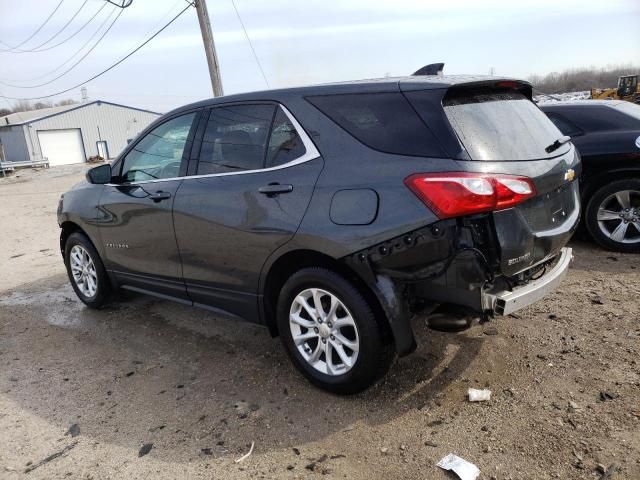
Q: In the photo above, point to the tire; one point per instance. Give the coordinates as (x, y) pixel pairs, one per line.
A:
(355, 325)
(94, 289)
(602, 216)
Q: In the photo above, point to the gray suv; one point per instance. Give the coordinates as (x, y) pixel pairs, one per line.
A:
(333, 214)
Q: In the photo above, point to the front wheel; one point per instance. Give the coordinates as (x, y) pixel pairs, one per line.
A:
(86, 271)
(613, 216)
(331, 333)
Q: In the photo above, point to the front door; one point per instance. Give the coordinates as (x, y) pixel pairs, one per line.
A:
(103, 150)
(136, 225)
(255, 176)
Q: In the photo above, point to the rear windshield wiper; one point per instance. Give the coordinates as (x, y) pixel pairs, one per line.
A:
(558, 143)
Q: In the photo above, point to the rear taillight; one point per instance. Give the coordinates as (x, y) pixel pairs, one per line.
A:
(453, 194)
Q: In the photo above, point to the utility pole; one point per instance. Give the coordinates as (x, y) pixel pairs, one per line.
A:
(209, 47)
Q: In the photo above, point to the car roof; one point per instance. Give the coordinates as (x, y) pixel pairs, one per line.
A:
(581, 103)
(417, 82)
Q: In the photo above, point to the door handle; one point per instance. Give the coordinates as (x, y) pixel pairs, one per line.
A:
(274, 189)
(159, 196)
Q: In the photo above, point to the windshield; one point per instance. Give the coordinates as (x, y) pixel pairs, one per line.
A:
(501, 125)
(630, 109)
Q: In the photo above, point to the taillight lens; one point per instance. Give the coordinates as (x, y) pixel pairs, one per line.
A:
(453, 194)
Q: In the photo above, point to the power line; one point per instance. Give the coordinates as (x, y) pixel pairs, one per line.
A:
(125, 3)
(250, 44)
(84, 25)
(28, 50)
(72, 56)
(37, 30)
(4, 81)
(112, 66)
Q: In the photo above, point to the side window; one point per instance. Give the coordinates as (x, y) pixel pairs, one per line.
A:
(159, 154)
(285, 143)
(235, 139)
(564, 125)
(382, 121)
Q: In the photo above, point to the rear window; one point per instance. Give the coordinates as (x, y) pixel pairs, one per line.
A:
(600, 117)
(631, 109)
(564, 125)
(382, 121)
(500, 125)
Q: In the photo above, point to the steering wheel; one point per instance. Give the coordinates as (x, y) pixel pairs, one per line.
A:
(170, 170)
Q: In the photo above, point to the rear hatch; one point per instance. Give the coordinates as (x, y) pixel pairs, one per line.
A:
(493, 128)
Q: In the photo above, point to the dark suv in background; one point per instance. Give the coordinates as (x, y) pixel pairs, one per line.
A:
(607, 135)
(332, 214)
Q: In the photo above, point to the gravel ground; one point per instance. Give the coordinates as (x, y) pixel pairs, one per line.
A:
(101, 388)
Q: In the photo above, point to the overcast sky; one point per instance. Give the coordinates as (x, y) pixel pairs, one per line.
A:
(305, 41)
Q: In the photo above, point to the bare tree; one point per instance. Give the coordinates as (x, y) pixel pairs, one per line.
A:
(22, 106)
(67, 101)
(40, 105)
(580, 79)
(26, 105)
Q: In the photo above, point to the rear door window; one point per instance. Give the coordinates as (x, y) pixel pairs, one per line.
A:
(285, 144)
(382, 121)
(235, 139)
(500, 125)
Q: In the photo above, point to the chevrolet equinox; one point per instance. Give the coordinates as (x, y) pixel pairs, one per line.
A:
(332, 214)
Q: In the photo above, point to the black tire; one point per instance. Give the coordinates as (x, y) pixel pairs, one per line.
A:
(591, 216)
(375, 353)
(103, 290)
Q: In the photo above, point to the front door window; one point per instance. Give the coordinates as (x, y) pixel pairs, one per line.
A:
(159, 154)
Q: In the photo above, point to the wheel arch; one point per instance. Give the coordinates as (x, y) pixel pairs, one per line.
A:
(69, 227)
(66, 229)
(288, 263)
(593, 184)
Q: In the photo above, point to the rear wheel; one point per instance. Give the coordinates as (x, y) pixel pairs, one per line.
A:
(86, 271)
(613, 215)
(331, 333)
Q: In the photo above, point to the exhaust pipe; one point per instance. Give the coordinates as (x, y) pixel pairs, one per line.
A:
(450, 318)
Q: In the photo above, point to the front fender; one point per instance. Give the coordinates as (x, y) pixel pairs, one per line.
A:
(78, 210)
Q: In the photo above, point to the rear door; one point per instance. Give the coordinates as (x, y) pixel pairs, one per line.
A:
(253, 180)
(136, 224)
(499, 130)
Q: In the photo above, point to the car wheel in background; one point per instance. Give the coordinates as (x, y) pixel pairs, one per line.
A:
(613, 215)
(86, 271)
(331, 333)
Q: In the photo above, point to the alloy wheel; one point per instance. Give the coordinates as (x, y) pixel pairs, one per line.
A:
(324, 331)
(619, 216)
(83, 271)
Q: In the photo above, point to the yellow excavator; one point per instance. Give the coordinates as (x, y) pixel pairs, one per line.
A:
(628, 89)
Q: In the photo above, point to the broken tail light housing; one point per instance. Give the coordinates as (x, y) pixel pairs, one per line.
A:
(454, 194)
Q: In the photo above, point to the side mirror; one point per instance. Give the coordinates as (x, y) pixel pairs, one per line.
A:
(99, 175)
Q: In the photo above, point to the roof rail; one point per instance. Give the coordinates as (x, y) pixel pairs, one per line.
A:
(431, 69)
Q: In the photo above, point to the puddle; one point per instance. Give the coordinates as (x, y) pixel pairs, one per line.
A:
(59, 307)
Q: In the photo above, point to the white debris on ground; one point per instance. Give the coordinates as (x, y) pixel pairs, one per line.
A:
(465, 470)
(561, 97)
(476, 395)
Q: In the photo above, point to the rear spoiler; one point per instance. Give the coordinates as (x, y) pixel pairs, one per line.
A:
(465, 89)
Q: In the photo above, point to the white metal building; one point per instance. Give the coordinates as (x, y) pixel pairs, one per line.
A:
(71, 133)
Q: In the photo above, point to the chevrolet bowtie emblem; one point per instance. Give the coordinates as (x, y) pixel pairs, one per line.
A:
(569, 175)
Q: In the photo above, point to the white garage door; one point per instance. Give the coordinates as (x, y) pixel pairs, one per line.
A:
(62, 147)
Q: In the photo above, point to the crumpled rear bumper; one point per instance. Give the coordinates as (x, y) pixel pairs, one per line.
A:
(504, 302)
